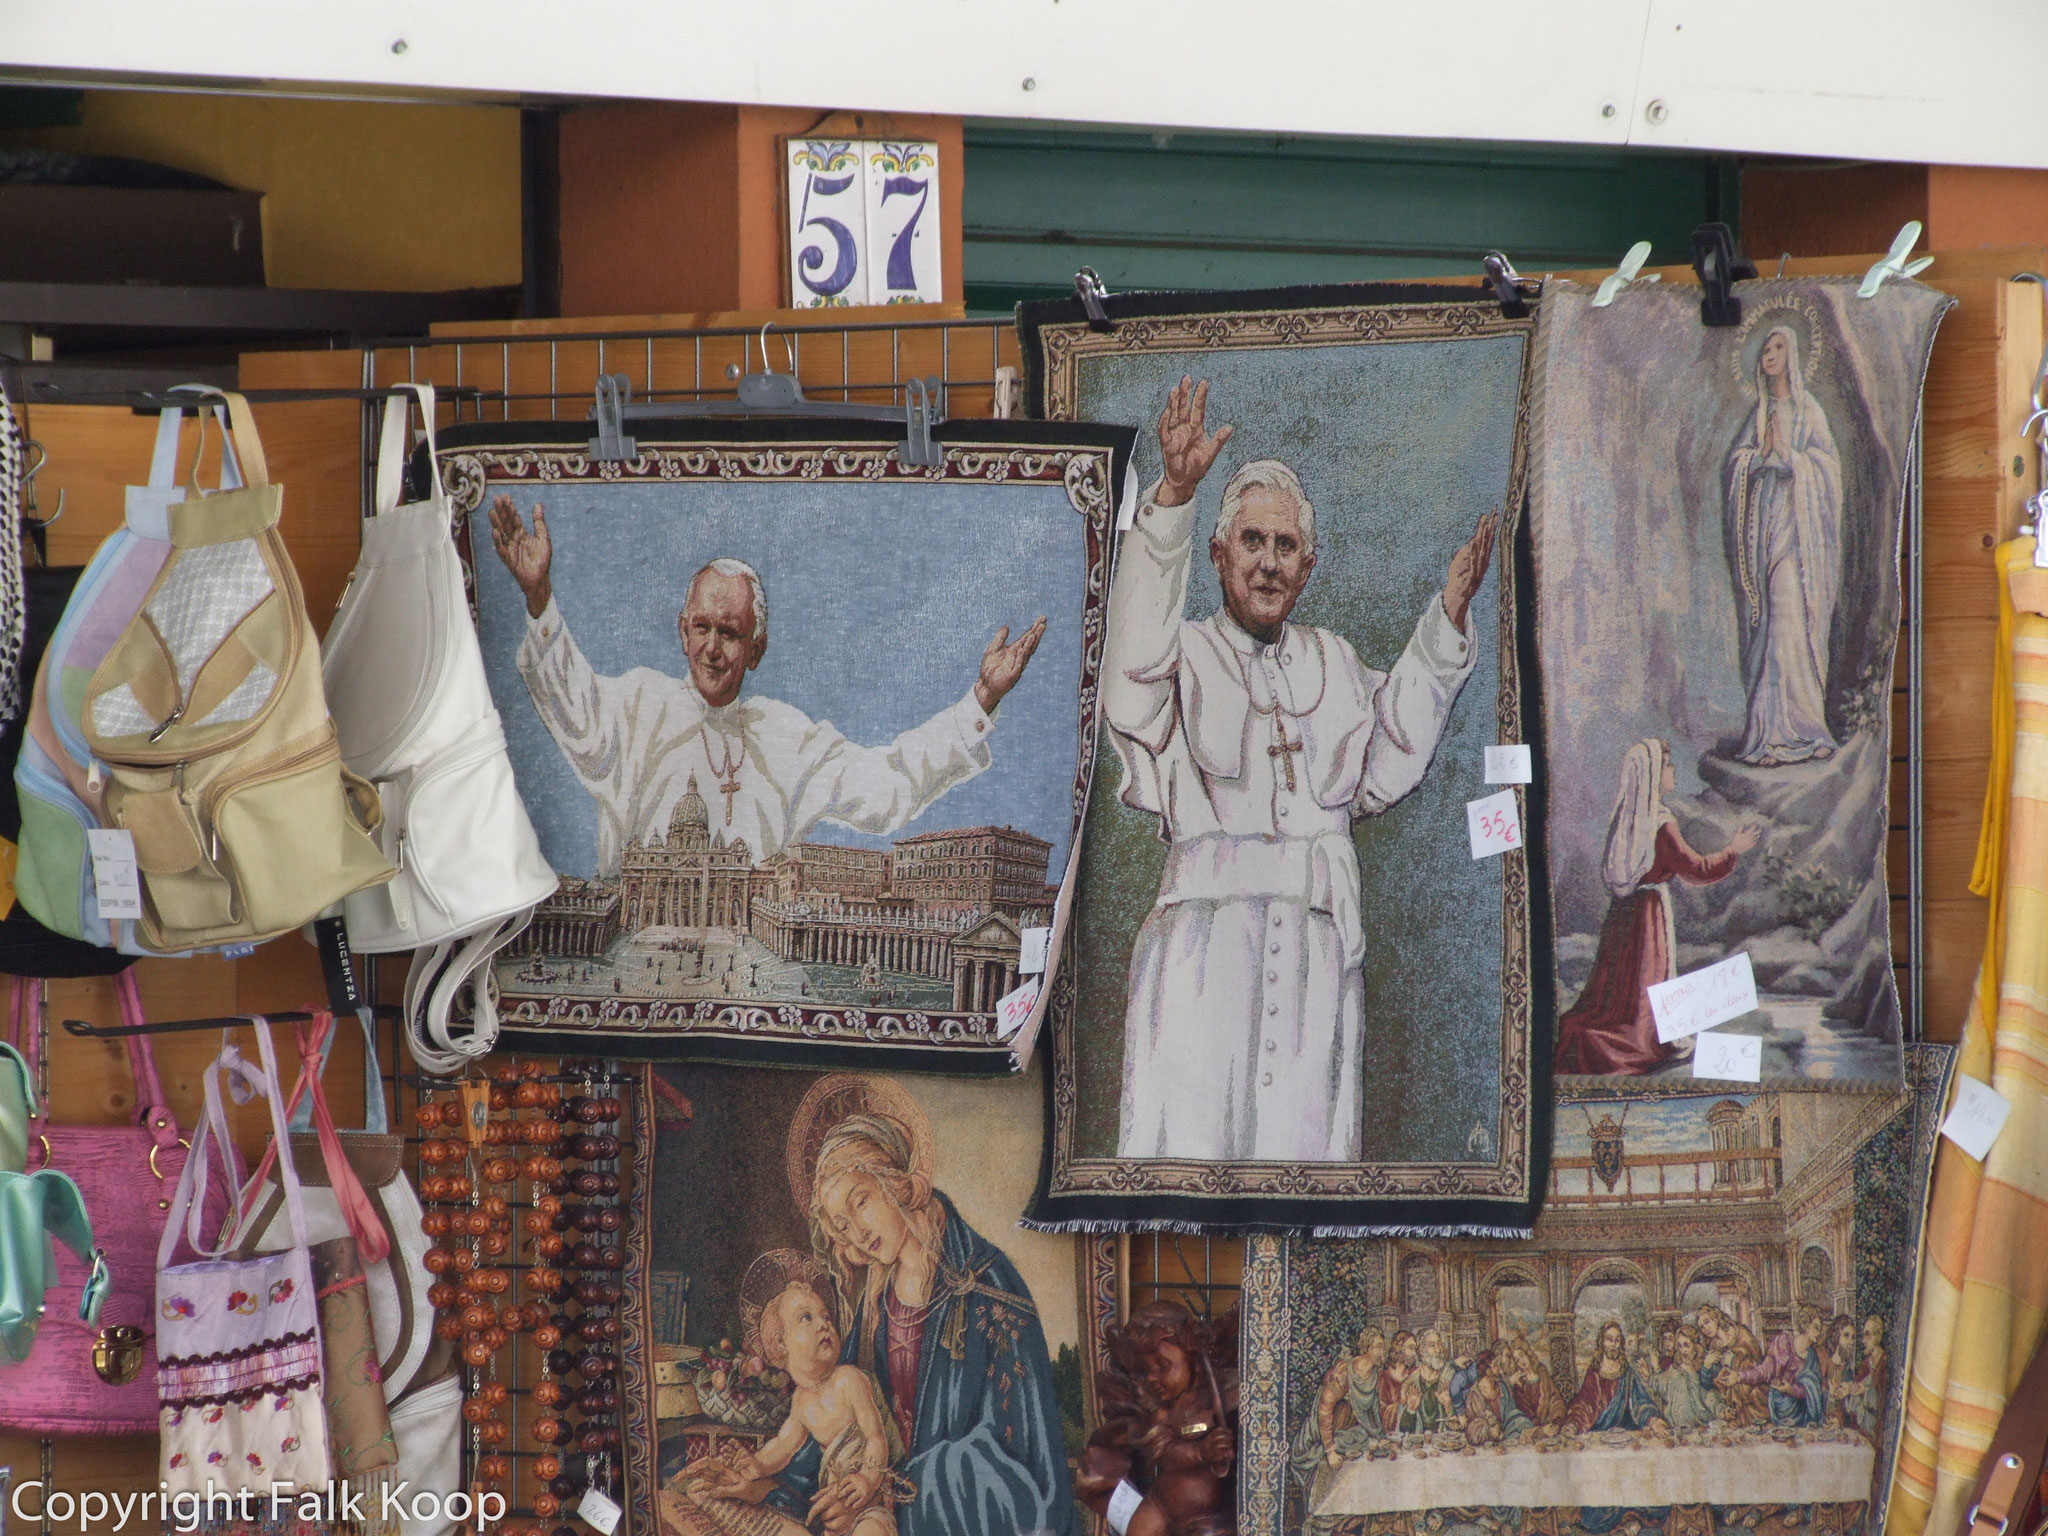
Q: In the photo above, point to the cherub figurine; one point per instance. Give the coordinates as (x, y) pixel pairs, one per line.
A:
(1169, 1424)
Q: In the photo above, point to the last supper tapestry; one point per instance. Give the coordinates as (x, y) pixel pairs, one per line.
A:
(1716, 516)
(805, 729)
(1706, 1333)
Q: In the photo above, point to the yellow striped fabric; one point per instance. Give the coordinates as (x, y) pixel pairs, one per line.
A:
(1984, 1284)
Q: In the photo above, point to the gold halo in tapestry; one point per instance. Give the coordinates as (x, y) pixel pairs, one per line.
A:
(767, 1278)
(1760, 319)
(839, 1097)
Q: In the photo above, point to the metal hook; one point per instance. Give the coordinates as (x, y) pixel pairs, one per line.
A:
(788, 349)
(2041, 371)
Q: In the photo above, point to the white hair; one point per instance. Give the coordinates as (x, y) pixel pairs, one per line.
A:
(1265, 475)
(726, 567)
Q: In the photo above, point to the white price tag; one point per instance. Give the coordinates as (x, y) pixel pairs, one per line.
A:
(1976, 1117)
(1494, 824)
(600, 1510)
(1729, 1058)
(1700, 999)
(1037, 949)
(1123, 1503)
(1509, 764)
(117, 886)
(1014, 1008)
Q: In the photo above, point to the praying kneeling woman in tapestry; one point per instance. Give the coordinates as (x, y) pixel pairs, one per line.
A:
(1257, 743)
(1610, 1028)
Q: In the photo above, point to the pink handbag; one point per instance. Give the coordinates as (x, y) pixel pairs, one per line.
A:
(82, 1379)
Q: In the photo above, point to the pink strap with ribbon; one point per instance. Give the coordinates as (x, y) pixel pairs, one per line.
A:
(372, 1242)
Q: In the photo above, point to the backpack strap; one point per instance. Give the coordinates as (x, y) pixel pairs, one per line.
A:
(393, 448)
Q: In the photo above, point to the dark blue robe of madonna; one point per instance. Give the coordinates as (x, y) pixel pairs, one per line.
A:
(986, 1455)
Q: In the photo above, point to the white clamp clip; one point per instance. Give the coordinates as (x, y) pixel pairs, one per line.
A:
(1623, 275)
(1895, 263)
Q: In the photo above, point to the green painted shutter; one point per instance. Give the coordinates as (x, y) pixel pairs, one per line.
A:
(1197, 210)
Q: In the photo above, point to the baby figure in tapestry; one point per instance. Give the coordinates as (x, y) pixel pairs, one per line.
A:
(835, 1427)
(644, 743)
(1257, 742)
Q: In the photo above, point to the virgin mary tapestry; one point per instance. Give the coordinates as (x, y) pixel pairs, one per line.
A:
(1294, 999)
(1706, 1333)
(834, 1323)
(1716, 518)
(805, 729)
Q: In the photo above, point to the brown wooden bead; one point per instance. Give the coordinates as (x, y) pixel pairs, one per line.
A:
(476, 1410)
(477, 1352)
(546, 1505)
(449, 1328)
(427, 1116)
(547, 1335)
(438, 1260)
(545, 1467)
(549, 1431)
(462, 1260)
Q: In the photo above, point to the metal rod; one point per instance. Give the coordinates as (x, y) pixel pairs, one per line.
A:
(81, 1028)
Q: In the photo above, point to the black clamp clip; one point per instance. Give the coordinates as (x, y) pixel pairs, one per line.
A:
(1509, 286)
(1719, 267)
(1089, 290)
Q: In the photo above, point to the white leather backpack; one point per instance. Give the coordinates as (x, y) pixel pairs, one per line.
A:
(406, 686)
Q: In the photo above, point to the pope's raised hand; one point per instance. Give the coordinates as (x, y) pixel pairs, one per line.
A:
(1003, 663)
(1187, 449)
(527, 555)
(1468, 568)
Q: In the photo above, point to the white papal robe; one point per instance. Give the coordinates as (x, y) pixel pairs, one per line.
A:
(635, 741)
(1244, 1040)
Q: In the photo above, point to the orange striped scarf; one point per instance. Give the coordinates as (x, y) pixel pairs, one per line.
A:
(1984, 1286)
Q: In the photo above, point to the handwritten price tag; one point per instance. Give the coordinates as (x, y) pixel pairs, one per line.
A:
(1123, 1503)
(1977, 1117)
(1509, 764)
(1494, 824)
(600, 1510)
(1729, 1058)
(1037, 946)
(1700, 999)
(117, 887)
(1014, 1008)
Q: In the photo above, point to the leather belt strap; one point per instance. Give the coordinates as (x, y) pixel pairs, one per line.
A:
(2013, 1465)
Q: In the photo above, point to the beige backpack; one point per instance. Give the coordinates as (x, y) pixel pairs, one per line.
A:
(208, 720)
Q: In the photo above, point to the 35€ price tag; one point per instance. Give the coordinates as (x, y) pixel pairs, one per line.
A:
(1729, 1058)
(1700, 999)
(1510, 764)
(1494, 824)
(1976, 1117)
(1037, 948)
(1123, 1503)
(116, 884)
(1014, 1008)
(600, 1509)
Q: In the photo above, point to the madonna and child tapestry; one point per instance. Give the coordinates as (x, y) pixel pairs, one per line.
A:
(1706, 1333)
(805, 730)
(1716, 515)
(834, 1323)
(1293, 999)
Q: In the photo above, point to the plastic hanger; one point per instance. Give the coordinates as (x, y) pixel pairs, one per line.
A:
(1895, 263)
(1626, 273)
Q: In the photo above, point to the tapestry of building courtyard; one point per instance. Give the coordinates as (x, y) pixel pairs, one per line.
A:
(945, 905)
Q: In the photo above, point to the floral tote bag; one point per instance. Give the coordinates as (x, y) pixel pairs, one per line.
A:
(238, 1339)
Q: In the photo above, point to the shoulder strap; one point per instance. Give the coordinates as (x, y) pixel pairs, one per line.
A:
(2013, 1465)
(393, 448)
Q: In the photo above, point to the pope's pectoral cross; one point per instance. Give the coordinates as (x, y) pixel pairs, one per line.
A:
(727, 771)
(1285, 750)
